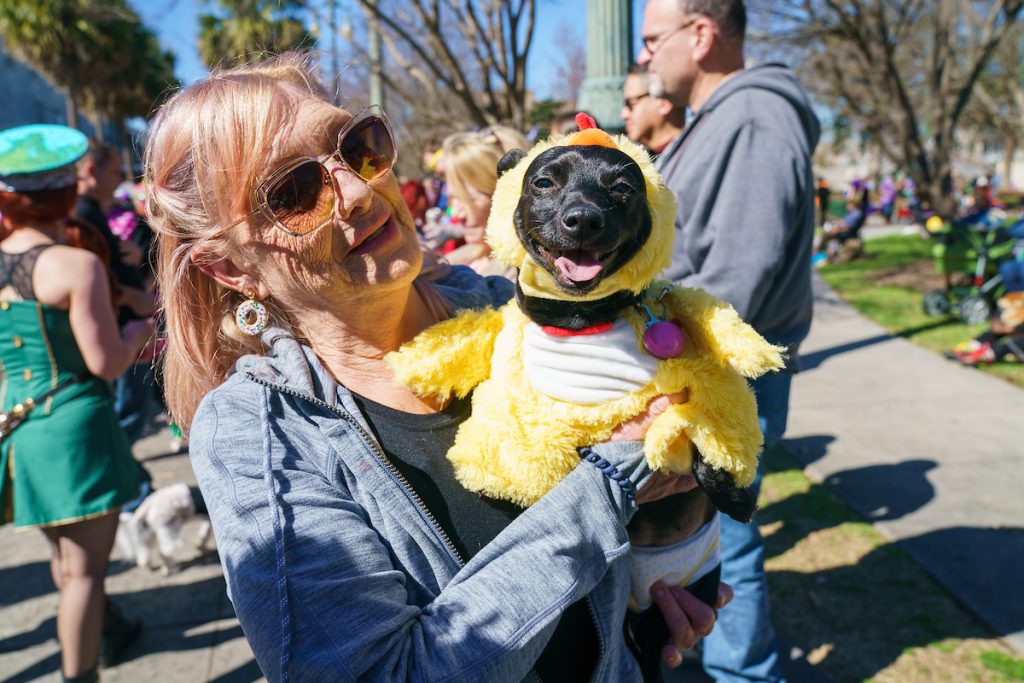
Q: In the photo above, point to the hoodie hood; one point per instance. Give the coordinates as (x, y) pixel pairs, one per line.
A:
(775, 78)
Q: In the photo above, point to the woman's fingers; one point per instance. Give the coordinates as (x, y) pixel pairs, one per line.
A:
(688, 619)
(725, 595)
(635, 429)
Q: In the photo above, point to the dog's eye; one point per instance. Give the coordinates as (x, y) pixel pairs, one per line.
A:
(543, 183)
(622, 188)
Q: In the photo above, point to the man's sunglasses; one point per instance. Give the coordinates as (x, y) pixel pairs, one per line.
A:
(300, 198)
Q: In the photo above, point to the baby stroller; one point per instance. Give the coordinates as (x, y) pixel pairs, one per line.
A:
(968, 252)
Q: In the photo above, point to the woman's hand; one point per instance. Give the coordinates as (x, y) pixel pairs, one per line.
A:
(688, 619)
(662, 484)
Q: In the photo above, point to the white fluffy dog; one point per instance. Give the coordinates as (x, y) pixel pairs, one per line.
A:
(152, 535)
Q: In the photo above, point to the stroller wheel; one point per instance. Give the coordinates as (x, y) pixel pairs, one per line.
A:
(974, 309)
(936, 302)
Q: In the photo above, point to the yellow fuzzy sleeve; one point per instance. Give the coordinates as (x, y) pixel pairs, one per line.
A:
(450, 357)
(721, 330)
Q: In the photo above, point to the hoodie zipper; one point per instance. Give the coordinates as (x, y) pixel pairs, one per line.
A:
(381, 456)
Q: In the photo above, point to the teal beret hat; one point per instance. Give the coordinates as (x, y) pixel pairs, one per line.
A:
(39, 157)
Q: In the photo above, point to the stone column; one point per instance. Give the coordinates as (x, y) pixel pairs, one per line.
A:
(609, 53)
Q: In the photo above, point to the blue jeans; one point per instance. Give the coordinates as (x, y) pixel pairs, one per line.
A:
(742, 648)
(134, 400)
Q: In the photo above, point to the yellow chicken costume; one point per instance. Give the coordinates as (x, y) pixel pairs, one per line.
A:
(518, 442)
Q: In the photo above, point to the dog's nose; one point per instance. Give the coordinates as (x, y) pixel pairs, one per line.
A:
(581, 220)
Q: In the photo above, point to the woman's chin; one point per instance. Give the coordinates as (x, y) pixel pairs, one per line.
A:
(396, 265)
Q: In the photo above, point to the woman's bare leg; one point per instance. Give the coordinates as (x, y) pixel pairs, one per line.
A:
(82, 551)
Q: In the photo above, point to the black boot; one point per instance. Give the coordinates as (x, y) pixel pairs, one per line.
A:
(90, 676)
(119, 633)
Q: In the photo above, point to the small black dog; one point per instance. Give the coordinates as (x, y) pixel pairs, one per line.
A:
(582, 217)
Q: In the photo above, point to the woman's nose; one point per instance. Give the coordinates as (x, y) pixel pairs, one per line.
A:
(354, 194)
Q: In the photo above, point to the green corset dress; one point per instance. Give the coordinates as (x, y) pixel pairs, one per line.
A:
(69, 460)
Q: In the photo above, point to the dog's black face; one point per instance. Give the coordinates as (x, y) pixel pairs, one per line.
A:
(583, 214)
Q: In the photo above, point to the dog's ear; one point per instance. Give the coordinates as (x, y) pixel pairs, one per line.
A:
(509, 160)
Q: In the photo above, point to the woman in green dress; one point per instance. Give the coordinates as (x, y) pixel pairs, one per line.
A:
(66, 468)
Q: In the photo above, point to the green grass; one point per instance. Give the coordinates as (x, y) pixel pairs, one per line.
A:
(898, 309)
(1010, 668)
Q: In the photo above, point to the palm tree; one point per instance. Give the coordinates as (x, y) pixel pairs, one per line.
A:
(247, 30)
(60, 39)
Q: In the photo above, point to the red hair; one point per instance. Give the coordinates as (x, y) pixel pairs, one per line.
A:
(41, 206)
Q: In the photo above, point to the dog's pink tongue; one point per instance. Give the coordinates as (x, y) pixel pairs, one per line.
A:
(578, 266)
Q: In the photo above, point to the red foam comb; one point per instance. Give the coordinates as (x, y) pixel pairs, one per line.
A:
(585, 121)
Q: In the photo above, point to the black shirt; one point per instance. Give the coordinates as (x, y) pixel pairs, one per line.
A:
(416, 444)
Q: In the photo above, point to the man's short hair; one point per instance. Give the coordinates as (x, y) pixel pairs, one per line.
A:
(729, 15)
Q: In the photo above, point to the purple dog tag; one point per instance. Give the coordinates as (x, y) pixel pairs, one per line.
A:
(664, 340)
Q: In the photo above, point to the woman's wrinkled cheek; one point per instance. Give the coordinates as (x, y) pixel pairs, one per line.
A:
(293, 266)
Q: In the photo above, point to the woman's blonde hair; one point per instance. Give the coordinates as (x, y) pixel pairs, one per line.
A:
(471, 159)
(207, 148)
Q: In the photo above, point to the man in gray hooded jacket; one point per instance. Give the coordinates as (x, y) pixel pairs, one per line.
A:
(741, 171)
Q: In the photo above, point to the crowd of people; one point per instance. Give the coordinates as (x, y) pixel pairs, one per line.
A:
(287, 259)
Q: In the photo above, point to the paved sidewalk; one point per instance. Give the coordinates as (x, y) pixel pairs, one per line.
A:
(191, 634)
(931, 452)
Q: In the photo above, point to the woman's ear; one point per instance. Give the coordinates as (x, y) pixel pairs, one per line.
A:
(224, 272)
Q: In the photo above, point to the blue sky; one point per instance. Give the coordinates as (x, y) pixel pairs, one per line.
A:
(176, 24)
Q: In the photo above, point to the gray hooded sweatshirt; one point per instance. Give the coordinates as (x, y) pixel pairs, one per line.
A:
(741, 171)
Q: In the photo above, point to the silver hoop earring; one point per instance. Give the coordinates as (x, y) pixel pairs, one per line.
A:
(251, 316)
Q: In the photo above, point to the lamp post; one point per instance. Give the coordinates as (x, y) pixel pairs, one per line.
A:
(609, 53)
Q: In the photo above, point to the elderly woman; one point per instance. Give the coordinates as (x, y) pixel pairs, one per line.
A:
(471, 171)
(290, 267)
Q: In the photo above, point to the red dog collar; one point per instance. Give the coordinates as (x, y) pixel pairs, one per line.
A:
(565, 332)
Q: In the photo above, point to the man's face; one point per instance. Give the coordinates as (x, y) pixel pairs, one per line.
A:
(639, 109)
(108, 175)
(668, 49)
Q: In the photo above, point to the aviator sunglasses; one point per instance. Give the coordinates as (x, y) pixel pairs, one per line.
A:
(300, 197)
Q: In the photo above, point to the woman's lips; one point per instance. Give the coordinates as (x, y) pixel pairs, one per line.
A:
(378, 236)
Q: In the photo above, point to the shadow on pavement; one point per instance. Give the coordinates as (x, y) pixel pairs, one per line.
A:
(885, 492)
(810, 361)
(32, 580)
(46, 630)
(981, 567)
(42, 669)
(808, 449)
(246, 673)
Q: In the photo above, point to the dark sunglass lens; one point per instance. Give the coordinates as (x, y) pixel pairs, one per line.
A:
(302, 198)
(368, 148)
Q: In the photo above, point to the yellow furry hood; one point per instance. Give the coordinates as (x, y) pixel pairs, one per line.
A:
(634, 275)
